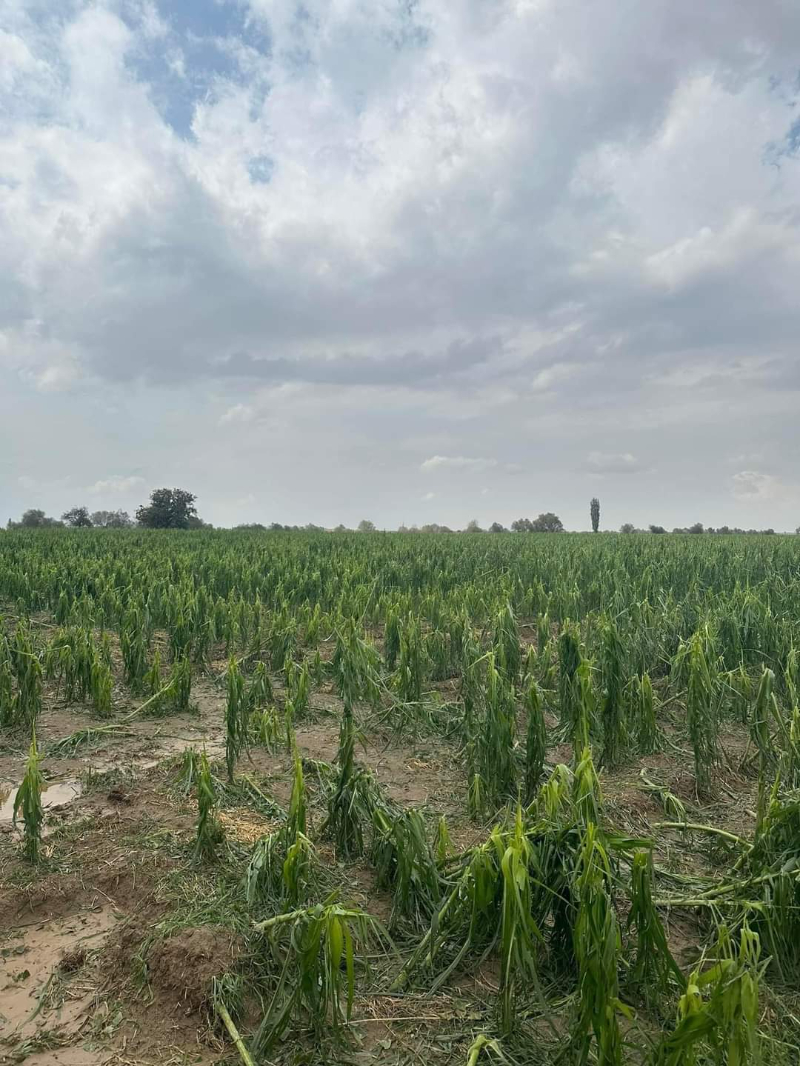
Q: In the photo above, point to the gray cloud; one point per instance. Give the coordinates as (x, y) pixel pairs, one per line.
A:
(603, 463)
(587, 249)
(457, 462)
(411, 369)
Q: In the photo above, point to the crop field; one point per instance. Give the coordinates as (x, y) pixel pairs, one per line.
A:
(399, 798)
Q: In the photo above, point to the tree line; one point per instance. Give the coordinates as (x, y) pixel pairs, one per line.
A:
(698, 527)
(175, 509)
(167, 509)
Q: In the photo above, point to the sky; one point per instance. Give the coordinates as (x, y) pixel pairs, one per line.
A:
(403, 260)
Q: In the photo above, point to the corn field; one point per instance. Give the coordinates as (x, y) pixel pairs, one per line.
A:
(603, 865)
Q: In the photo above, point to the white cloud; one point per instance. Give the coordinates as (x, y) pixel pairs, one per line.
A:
(239, 413)
(754, 486)
(708, 252)
(613, 463)
(428, 496)
(550, 376)
(152, 24)
(457, 462)
(116, 485)
(15, 59)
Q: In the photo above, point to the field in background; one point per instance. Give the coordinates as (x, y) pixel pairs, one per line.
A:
(379, 797)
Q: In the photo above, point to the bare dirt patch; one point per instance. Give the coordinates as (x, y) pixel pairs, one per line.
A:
(182, 967)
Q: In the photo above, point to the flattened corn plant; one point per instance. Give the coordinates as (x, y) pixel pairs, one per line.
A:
(760, 736)
(298, 687)
(701, 718)
(134, 643)
(508, 654)
(28, 800)
(355, 668)
(354, 796)
(317, 950)
(236, 717)
(583, 708)
(763, 887)
(209, 831)
(8, 698)
(653, 973)
(719, 1012)
(410, 668)
(259, 691)
(644, 725)
(539, 889)
(172, 696)
(24, 706)
(612, 706)
(569, 659)
(490, 724)
(536, 742)
(151, 678)
(391, 639)
(442, 843)
(769, 884)
(673, 806)
(69, 658)
(265, 727)
(406, 863)
(281, 866)
(597, 945)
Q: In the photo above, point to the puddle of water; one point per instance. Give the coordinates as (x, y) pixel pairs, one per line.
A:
(55, 794)
(31, 956)
(163, 749)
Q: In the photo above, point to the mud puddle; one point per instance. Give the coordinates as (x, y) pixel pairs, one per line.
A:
(159, 749)
(48, 980)
(55, 795)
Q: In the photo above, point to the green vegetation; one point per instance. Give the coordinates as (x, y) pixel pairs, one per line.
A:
(28, 800)
(209, 831)
(585, 687)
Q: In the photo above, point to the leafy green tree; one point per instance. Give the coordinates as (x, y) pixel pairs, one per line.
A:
(365, 526)
(547, 523)
(112, 519)
(35, 519)
(78, 518)
(168, 509)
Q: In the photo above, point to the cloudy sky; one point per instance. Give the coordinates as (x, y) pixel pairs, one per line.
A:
(402, 259)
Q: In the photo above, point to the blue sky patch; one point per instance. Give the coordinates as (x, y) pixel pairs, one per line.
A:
(260, 168)
(184, 67)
